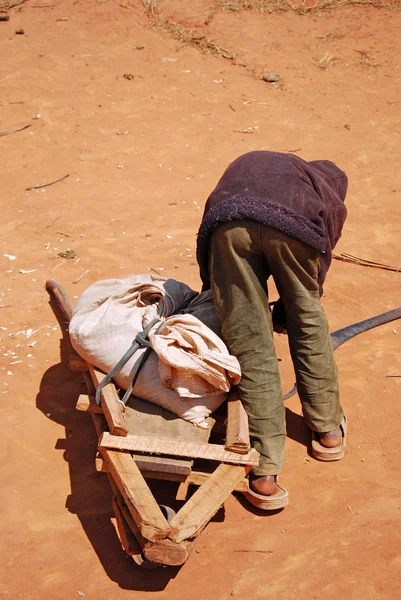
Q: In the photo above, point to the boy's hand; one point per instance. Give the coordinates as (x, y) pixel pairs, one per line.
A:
(279, 317)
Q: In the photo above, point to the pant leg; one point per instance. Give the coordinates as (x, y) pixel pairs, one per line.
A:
(238, 274)
(294, 267)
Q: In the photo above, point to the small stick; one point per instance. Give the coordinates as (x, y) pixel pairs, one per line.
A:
(261, 551)
(54, 220)
(62, 233)
(366, 263)
(371, 262)
(14, 130)
(37, 187)
(394, 375)
(81, 276)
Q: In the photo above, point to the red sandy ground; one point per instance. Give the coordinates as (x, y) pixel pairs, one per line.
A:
(340, 536)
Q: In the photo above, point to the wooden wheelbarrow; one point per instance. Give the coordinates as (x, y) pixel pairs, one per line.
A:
(143, 441)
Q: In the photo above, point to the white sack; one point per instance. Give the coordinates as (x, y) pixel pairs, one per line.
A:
(195, 370)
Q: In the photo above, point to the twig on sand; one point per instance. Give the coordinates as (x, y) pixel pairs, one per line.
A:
(395, 375)
(14, 130)
(365, 263)
(260, 551)
(81, 276)
(54, 220)
(38, 187)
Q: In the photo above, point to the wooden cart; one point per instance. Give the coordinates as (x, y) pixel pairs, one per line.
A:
(143, 441)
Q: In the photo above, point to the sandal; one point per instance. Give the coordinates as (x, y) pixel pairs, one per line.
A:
(273, 502)
(329, 454)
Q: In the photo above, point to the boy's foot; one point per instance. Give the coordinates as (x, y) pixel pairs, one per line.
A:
(265, 484)
(265, 493)
(331, 439)
(330, 446)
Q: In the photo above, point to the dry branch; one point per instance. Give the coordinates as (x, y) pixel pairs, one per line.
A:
(38, 187)
(14, 130)
(365, 263)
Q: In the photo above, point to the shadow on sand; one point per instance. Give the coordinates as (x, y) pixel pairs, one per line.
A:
(90, 498)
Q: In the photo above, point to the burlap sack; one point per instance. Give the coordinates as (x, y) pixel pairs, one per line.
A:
(189, 371)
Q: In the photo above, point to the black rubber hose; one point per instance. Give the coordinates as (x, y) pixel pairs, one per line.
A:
(341, 336)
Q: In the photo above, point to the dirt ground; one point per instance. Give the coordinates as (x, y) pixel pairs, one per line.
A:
(144, 125)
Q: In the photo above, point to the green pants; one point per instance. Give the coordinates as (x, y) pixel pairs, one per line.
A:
(243, 254)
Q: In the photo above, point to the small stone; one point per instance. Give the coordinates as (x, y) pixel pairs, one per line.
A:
(69, 254)
(271, 77)
(19, 31)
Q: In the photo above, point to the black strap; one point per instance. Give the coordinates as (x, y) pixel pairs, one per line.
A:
(140, 341)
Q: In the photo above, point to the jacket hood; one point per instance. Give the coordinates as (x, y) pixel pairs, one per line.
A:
(335, 178)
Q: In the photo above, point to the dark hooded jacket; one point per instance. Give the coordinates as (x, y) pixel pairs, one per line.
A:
(304, 200)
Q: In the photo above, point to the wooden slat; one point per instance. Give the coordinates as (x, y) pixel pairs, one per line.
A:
(137, 443)
(126, 514)
(166, 552)
(155, 467)
(237, 437)
(127, 538)
(182, 491)
(163, 551)
(163, 464)
(111, 404)
(194, 478)
(77, 363)
(206, 501)
(88, 404)
(139, 499)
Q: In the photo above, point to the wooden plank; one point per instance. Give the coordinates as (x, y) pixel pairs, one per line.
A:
(88, 404)
(139, 499)
(99, 464)
(169, 469)
(77, 363)
(163, 464)
(194, 478)
(112, 406)
(150, 420)
(182, 491)
(127, 538)
(137, 443)
(237, 437)
(126, 514)
(166, 552)
(206, 501)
